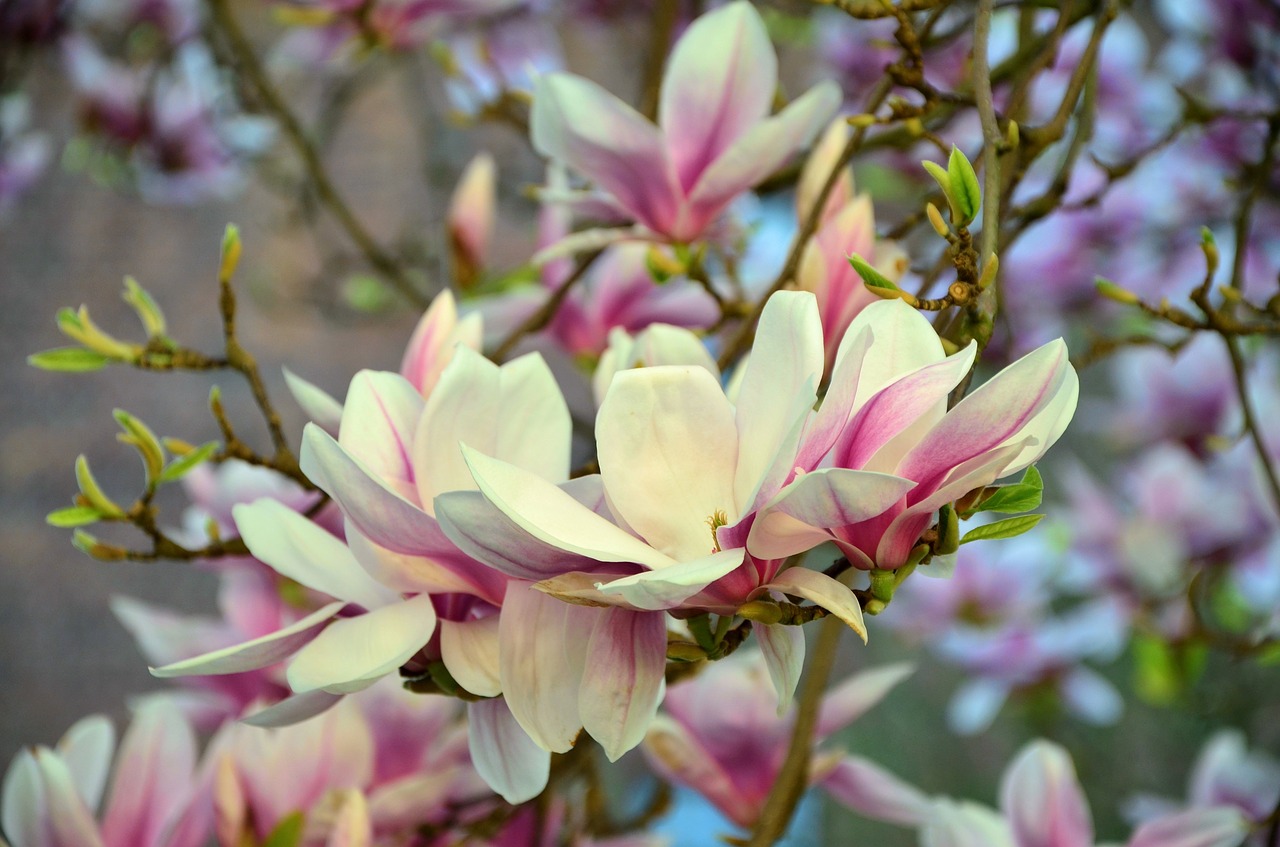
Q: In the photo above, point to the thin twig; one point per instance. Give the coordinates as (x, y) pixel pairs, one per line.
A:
(547, 310)
(383, 262)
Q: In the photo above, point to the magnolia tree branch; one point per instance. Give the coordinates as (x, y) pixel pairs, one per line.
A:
(382, 261)
(793, 778)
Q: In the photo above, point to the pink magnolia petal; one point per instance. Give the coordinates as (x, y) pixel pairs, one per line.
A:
(431, 346)
(676, 755)
(86, 749)
(871, 791)
(898, 408)
(542, 654)
(822, 500)
(852, 698)
(378, 420)
(552, 515)
(821, 590)
(778, 389)
(905, 341)
(381, 512)
(667, 587)
(783, 651)
(318, 405)
(1033, 397)
(1220, 826)
(470, 652)
(758, 153)
(668, 447)
(1042, 799)
(353, 651)
(471, 216)
(297, 548)
(503, 754)
(578, 122)
(258, 653)
(719, 83)
(155, 766)
(622, 680)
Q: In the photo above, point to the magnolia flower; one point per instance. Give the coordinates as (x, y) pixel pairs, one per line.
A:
(1042, 805)
(722, 735)
(714, 139)
(885, 417)
(682, 471)
(50, 795)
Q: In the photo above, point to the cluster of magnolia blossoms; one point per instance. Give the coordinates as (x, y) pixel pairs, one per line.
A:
(467, 546)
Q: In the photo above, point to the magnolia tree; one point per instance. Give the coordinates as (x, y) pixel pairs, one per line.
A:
(631, 489)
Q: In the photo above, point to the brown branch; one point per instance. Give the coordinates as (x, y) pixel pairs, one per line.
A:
(378, 258)
(665, 15)
(868, 10)
(792, 779)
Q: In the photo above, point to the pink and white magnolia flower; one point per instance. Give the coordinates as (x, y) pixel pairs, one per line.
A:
(682, 471)
(886, 416)
(470, 220)
(1042, 805)
(714, 138)
(722, 735)
(50, 796)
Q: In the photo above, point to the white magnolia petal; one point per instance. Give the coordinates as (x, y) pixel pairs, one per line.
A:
(905, 341)
(668, 447)
(66, 819)
(779, 386)
(352, 827)
(258, 653)
(87, 749)
(319, 406)
(821, 590)
(783, 650)
(952, 824)
(378, 420)
(554, 517)
(670, 586)
(503, 754)
(534, 430)
(465, 406)
(542, 654)
(469, 650)
(357, 650)
(676, 755)
(24, 809)
(622, 680)
(297, 548)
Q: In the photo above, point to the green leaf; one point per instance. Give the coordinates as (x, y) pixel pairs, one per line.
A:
(179, 467)
(941, 177)
(1269, 654)
(73, 516)
(145, 305)
(68, 359)
(1019, 497)
(1007, 528)
(93, 492)
(966, 192)
(288, 833)
(140, 436)
(870, 275)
